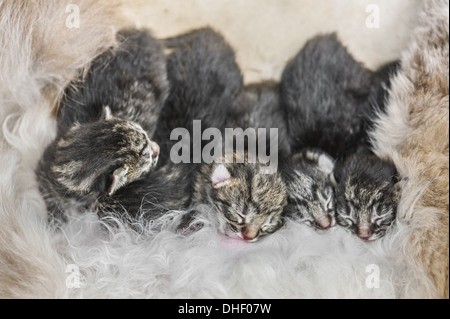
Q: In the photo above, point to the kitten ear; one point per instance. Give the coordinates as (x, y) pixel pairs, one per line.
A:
(106, 115)
(326, 163)
(119, 178)
(332, 179)
(221, 176)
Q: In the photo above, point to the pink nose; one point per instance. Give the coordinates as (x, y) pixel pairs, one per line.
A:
(324, 221)
(249, 233)
(155, 149)
(364, 232)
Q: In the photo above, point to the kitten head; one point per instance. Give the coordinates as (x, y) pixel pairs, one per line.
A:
(367, 196)
(101, 157)
(248, 204)
(310, 187)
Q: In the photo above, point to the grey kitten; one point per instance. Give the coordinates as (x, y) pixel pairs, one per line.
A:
(310, 187)
(93, 159)
(248, 205)
(368, 191)
(204, 79)
(95, 152)
(131, 79)
(258, 106)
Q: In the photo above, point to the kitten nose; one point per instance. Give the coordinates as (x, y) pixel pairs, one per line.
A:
(249, 233)
(155, 149)
(364, 232)
(324, 221)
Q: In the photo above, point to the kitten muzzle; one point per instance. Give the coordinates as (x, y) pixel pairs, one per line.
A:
(365, 232)
(249, 233)
(324, 221)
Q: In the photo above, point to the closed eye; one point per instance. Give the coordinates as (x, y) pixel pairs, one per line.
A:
(349, 221)
(143, 151)
(271, 228)
(346, 219)
(384, 221)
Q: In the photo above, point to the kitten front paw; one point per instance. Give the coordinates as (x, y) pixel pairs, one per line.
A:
(188, 225)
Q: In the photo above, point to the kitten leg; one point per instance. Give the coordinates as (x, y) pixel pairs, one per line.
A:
(188, 225)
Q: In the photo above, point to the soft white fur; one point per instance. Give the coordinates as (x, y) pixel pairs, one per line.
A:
(115, 262)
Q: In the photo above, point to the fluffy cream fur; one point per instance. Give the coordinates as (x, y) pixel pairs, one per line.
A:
(40, 59)
(415, 134)
(40, 55)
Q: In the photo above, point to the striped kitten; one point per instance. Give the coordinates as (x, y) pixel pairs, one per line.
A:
(368, 193)
(310, 188)
(93, 159)
(247, 204)
(104, 124)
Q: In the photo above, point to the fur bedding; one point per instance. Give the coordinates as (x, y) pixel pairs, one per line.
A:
(38, 58)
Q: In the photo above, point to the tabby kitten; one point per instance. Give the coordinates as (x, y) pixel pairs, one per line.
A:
(204, 79)
(330, 99)
(330, 102)
(95, 152)
(90, 160)
(310, 188)
(248, 205)
(131, 79)
(368, 192)
(258, 106)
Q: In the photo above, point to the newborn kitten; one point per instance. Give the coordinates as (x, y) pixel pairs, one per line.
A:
(248, 205)
(329, 98)
(96, 153)
(330, 101)
(258, 106)
(205, 80)
(92, 159)
(131, 79)
(310, 188)
(367, 195)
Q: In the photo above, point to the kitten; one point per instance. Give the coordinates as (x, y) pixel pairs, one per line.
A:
(131, 80)
(95, 152)
(205, 80)
(368, 192)
(329, 98)
(248, 205)
(310, 188)
(330, 102)
(258, 106)
(90, 160)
